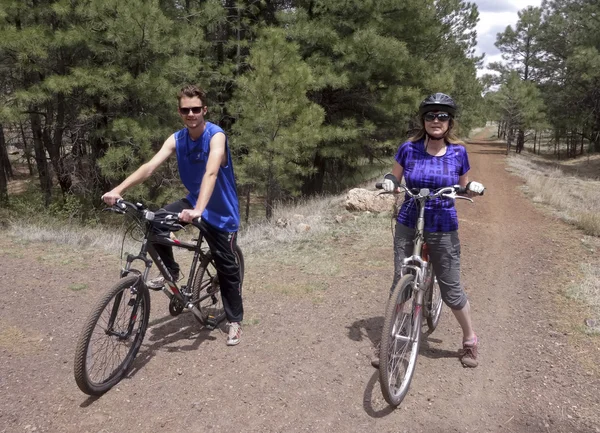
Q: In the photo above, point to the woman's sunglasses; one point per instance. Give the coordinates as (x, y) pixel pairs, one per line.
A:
(184, 111)
(442, 117)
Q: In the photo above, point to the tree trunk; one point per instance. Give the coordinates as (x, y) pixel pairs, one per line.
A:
(53, 146)
(98, 148)
(26, 150)
(3, 170)
(510, 138)
(40, 155)
(520, 140)
(248, 190)
(4, 161)
(269, 199)
(315, 183)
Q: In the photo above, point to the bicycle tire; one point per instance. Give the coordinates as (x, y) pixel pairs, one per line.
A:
(206, 290)
(402, 317)
(435, 304)
(130, 311)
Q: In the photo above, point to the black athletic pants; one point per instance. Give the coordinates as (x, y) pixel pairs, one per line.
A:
(222, 246)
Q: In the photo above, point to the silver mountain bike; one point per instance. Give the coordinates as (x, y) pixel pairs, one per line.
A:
(415, 297)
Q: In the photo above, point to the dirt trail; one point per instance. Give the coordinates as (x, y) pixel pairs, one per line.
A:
(303, 364)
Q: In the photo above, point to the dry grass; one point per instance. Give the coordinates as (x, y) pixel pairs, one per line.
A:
(587, 291)
(577, 201)
(80, 237)
(307, 225)
(574, 199)
(305, 220)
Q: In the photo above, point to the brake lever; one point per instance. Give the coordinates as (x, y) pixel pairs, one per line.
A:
(113, 209)
(455, 196)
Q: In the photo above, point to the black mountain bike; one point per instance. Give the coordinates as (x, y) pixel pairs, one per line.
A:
(416, 297)
(115, 328)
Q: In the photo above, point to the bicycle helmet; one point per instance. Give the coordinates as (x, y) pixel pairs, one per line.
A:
(438, 102)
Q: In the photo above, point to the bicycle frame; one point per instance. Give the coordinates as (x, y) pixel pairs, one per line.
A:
(415, 263)
(147, 248)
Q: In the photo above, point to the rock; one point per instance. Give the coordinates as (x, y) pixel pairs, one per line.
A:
(360, 199)
(591, 323)
(340, 219)
(302, 228)
(282, 222)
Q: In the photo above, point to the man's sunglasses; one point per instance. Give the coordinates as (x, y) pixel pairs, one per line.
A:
(442, 117)
(184, 111)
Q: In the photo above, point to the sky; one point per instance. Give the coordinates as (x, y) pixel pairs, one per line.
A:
(494, 16)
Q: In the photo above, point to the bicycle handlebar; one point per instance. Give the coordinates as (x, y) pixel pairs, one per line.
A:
(161, 216)
(448, 192)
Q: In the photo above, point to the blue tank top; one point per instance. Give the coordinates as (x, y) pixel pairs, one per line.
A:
(422, 170)
(222, 210)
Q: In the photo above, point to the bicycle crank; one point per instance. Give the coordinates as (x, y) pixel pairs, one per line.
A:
(175, 307)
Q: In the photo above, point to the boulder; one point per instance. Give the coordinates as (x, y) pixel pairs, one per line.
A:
(360, 199)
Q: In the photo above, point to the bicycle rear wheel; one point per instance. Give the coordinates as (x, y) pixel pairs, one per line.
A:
(112, 336)
(206, 290)
(434, 304)
(400, 339)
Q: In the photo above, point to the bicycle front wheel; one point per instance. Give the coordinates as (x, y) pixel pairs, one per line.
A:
(400, 339)
(112, 336)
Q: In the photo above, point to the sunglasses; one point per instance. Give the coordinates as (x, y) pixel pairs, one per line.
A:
(184, 111)
(442, 117)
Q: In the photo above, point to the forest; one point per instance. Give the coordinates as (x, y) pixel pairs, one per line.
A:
(310, 92)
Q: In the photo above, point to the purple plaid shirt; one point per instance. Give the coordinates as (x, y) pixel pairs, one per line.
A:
(422, 170)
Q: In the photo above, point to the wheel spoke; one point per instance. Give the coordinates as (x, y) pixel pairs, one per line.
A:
(106, 349)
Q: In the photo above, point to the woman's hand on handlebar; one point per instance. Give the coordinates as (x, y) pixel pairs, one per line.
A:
(388, 185)
(189, 215)
(475, 188)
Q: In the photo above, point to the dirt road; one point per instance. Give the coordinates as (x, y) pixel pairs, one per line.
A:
(303, 364)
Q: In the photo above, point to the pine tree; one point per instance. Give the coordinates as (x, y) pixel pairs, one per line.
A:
(277, 128)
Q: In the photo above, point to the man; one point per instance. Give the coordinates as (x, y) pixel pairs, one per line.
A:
(206, 170)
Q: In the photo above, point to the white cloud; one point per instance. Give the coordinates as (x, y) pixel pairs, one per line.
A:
(494, 16)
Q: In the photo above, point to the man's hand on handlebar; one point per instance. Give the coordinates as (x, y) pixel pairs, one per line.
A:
(111, 197)
(188, 215)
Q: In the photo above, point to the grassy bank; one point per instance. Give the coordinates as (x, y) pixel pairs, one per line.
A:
(571, 191)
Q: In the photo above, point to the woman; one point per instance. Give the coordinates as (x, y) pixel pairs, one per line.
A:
(435, 158)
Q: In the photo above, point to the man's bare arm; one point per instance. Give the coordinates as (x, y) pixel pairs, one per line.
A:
(142, 173)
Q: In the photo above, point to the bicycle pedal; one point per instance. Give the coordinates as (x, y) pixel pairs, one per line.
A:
(211, 323)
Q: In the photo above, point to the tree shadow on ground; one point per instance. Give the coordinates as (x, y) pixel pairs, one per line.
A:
(582, 168)
(491, 147)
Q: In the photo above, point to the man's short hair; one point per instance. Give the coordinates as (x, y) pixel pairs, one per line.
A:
(192, 91)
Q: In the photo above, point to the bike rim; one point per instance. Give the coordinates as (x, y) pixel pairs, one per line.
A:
(404, 341)
(110, 346)
(209, 300)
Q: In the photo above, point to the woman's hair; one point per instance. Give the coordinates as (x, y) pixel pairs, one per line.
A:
(449, 135)
(191, 91)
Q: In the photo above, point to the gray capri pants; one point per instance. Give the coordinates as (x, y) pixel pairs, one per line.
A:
(444, 255)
